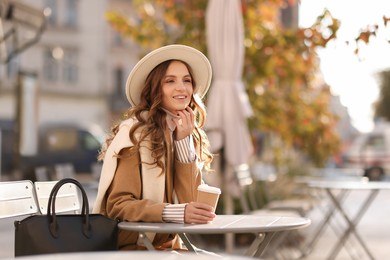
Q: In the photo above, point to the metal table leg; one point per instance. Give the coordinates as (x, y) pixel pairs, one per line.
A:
(187, 242)
(351, 223)
(323, 224)
(258, 245)
(146, 241)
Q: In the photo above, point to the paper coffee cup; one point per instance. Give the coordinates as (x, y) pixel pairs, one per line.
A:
(208, 194)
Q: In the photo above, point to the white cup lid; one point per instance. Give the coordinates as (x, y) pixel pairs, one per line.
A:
(207, 188)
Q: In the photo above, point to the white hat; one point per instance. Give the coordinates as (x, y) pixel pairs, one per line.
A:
(200, 67)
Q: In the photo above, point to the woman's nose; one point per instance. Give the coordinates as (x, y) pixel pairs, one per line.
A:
(180, 85)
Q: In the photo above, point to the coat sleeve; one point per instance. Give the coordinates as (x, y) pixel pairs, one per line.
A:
(124, 196)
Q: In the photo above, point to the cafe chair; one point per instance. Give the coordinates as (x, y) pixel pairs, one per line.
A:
(249, 205)
(17, 198)
(302, 203)
(67, 200)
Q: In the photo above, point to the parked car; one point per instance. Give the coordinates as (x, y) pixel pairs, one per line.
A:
(371, 152)
(57, 144)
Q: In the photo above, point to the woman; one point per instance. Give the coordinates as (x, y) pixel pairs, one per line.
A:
(153, 159)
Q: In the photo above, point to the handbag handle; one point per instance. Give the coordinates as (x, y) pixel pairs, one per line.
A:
(51, 213)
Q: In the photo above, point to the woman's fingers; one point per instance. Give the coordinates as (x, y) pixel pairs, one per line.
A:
(187, 117)
(191, 115)
(185, 123)
(198, 213)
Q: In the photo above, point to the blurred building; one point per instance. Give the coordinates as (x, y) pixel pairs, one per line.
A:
(80, 63)
(344, 127)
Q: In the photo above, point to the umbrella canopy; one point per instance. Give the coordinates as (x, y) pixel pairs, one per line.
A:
(227, 104)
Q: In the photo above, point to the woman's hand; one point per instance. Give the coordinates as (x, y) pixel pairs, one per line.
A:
(198, 213)
(185, 123)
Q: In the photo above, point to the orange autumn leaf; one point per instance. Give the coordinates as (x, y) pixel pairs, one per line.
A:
(386, 20)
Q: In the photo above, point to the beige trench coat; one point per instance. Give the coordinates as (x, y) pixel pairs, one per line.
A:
(124, 200)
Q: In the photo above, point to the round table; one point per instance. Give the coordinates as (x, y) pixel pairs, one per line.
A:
(264, 226)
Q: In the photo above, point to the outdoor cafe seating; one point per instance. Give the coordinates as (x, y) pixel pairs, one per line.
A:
(24, 198)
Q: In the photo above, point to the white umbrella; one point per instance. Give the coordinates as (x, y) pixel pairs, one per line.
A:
(228, 105)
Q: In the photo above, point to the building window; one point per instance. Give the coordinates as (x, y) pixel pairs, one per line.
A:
(50, 66)
(118, 101)
(52, 7)
(61, 65)
(70, 68)
(71, 13)
(118, 81)
(13, 67)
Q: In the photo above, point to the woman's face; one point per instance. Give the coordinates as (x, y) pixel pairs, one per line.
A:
(177, 87)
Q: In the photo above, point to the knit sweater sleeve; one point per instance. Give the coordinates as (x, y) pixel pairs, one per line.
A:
(174, 213)
(185, 151)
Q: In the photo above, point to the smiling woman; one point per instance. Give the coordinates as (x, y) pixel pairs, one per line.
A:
(152, 162)
(351, 76)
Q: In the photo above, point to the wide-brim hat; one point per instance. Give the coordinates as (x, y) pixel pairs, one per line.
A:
(200, 67)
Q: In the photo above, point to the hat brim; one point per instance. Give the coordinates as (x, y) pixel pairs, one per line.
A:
(200, 66)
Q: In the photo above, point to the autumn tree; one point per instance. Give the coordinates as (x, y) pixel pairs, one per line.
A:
(279, 66)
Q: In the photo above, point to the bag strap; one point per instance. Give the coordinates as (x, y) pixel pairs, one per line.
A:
(51, 212)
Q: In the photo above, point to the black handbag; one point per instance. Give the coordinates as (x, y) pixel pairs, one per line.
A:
(51, 233)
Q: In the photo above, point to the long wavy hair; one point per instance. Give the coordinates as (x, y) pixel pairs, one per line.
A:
(151, 120)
